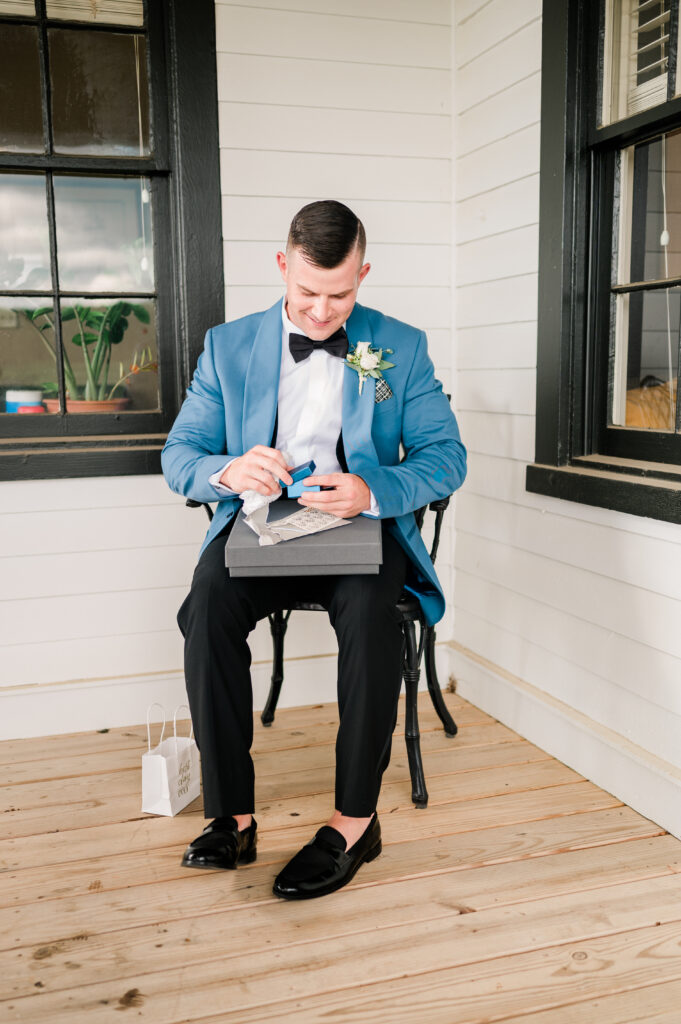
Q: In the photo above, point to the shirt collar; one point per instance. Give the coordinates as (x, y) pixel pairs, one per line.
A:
(288, 325)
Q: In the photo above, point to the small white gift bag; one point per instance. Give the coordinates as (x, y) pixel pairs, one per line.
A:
(170, 772)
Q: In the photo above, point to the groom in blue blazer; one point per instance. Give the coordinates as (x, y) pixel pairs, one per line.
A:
(274, 382)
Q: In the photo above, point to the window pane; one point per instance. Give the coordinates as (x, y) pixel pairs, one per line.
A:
(99, 92)
(110, 348)
(651, 39)
(21, 118)
(25, 7)
(27, 363)
(119, 12)
(635, 57)
(24, 239)
(652, 357)
(103, 234)
(656, 209)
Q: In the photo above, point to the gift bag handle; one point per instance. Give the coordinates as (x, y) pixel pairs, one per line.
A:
(179, 708)
(163, 728)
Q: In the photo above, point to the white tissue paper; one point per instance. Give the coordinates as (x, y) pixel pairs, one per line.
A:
(256, 508)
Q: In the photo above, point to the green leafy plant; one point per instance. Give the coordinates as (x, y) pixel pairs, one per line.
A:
(97, 331)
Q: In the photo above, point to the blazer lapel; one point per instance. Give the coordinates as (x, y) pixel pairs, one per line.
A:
(358, 410)
(262, 381)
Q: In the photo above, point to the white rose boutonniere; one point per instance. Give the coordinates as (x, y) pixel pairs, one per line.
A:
(368, 361)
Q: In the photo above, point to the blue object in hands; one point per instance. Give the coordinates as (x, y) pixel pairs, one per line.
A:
(298, 475)
(295, 490)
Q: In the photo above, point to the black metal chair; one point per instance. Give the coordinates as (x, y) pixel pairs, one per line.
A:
(414, 651)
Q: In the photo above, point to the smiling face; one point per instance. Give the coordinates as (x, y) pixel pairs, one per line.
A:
(319, 300)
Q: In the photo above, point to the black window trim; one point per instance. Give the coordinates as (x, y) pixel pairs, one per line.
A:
(188, 249)
(574, 152)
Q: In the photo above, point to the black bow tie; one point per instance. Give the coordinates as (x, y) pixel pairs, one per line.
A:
(336, 345)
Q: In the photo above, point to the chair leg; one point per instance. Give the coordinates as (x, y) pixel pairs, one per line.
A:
(434, 689)
(278, 626)
(411, 672)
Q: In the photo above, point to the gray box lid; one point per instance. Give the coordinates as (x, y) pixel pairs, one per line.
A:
(354, 548)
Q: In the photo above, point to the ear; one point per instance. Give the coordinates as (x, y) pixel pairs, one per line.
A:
(281, 263)
(363, 272)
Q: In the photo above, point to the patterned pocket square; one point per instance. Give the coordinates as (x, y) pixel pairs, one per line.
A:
(383, 392)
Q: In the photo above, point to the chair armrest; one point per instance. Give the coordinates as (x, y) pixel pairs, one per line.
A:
(190, 503)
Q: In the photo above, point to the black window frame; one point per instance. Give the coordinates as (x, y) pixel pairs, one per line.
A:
(188, 249)
(633, 471)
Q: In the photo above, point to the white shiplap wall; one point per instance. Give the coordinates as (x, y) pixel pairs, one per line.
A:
(567, 617)
(318, 98)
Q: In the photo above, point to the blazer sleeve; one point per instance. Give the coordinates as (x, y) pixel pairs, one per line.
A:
(434, 463)
(196, 445)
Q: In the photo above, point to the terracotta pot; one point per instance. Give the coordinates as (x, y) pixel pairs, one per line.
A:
(88, 405)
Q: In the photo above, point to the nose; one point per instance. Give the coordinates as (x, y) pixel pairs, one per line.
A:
(320, 308)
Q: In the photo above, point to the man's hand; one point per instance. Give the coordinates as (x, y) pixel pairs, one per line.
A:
(349, 497)
(259, 469)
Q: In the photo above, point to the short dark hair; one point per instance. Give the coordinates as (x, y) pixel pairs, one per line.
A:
(326, 232)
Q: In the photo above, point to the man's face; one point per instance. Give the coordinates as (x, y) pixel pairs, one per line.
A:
(319, 301)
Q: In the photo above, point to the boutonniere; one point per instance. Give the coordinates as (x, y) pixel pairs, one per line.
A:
(368, 361)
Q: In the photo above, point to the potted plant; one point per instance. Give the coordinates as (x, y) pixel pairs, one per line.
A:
(97, 331)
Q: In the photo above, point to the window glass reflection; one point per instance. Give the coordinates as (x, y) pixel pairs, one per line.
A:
(99, 92)
(103, 234)
(117, 12)
(24, 238)
(656, 209)
(21, 116)
(652, 359)
(110, 355)
(27, 354)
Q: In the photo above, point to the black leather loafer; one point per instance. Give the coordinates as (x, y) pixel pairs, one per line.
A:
(324, 865)
(222, 845)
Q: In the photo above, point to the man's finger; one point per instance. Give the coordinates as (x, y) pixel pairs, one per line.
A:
(329, 480)
(269, 465)
(262, 452)
(321, 497)
(263, 479)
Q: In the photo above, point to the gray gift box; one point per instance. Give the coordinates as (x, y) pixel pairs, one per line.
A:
(354, 548)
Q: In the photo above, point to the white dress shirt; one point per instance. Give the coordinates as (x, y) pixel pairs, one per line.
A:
(309, 414)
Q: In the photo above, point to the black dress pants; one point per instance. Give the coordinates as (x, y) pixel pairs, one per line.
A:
(216, 618)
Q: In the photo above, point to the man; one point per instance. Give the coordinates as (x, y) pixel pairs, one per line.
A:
(277, 382)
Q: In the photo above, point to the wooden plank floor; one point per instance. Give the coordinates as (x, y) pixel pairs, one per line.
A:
(523, 893)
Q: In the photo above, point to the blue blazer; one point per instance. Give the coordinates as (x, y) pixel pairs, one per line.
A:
(231, 405)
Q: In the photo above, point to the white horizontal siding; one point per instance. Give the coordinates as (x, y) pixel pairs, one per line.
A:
(498, 67)
(301, 34)
(508, 300)
(576, 641)
(400, 222)
(338, 85)
(310, 175)
(509, 436)
(490, 346)
(435, 12)
(580, 603)
(270, 127)
(489, 259)
(510, 158)
(491, 25)
(507, 206)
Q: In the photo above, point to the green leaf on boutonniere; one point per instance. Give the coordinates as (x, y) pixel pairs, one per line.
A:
(368, 362)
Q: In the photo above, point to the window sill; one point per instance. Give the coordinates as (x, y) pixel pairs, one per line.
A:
(624, 485)
(54, 458)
